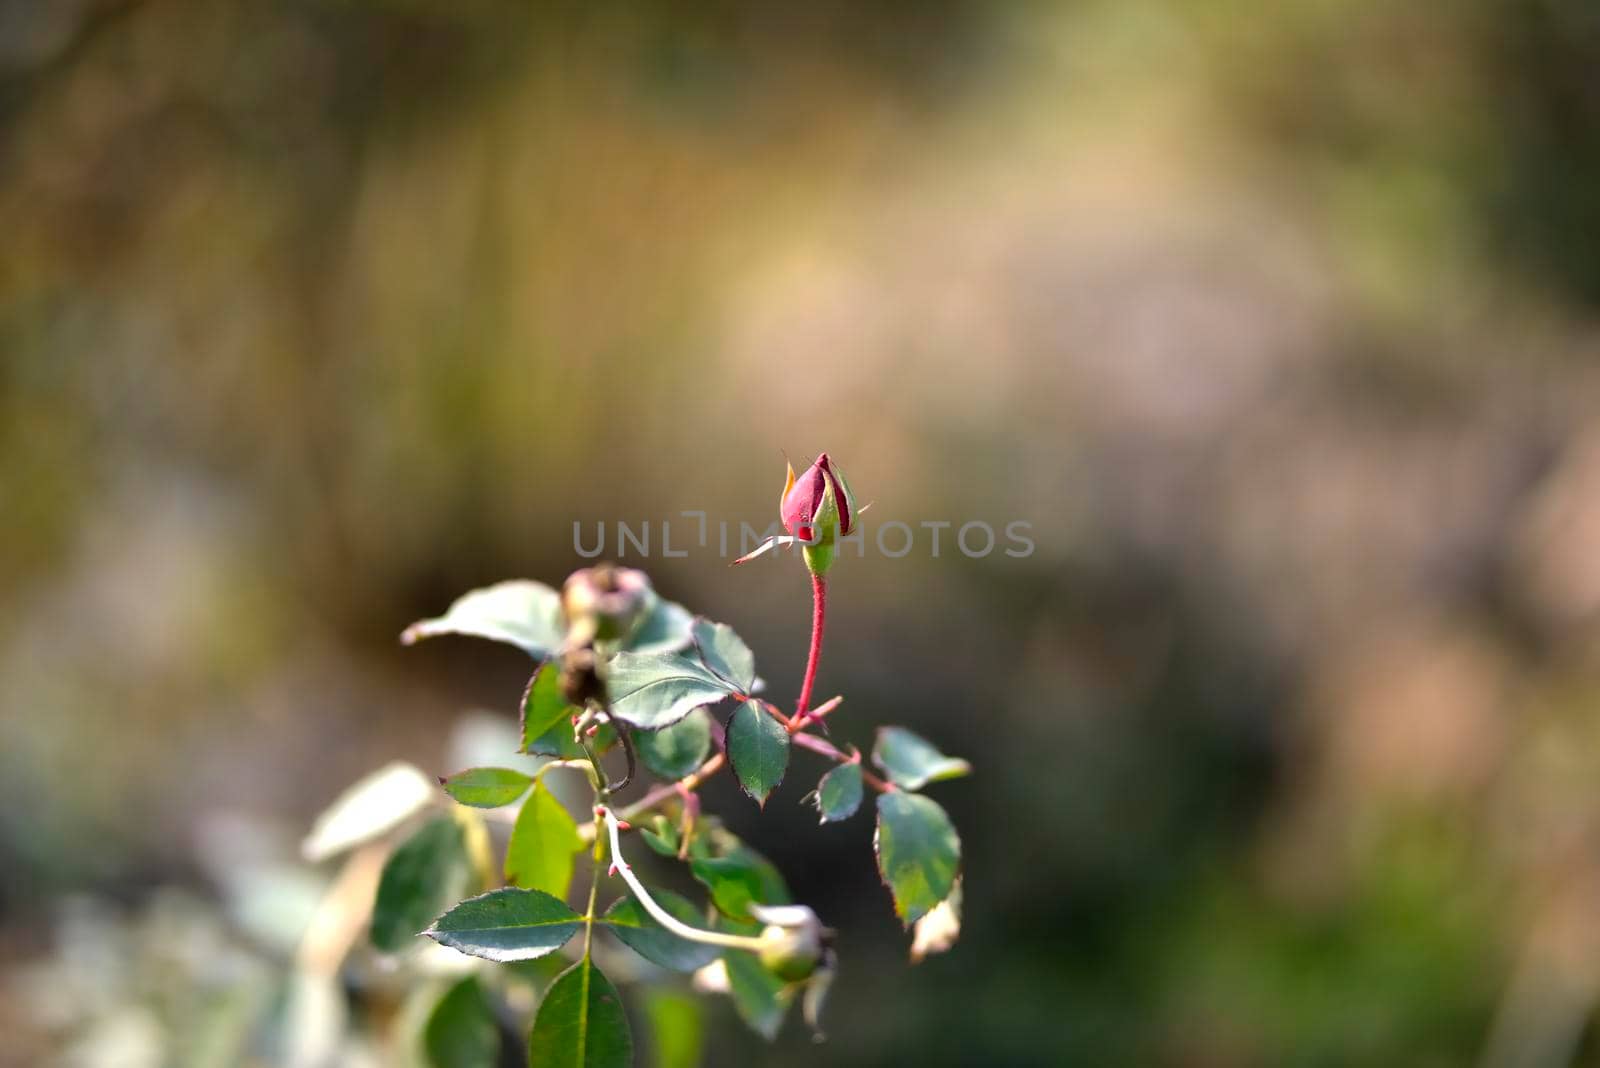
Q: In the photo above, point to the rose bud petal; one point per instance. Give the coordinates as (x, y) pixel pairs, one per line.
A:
(845, 501)
(802, 501)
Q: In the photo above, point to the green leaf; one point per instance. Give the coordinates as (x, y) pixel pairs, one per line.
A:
(559, 741)
(543, 843)
(370, 809)
(734, 886)
(461, 1031)
(758, 748)
(655, 690)
(506, 925)
(838, 795)
(725, 653)
(911, 762)
(419, 880)
(639, 931)
(918, 852)
(581, 1023)
(677, 1028)
(665, 630)
(661, 836)
(773, 890)
(760, 998)
(738, 879)
(675, 751)
(545, 709)
(521, 613)
(487, 787)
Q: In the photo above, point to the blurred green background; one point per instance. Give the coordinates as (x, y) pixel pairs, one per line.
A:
(1279, 323)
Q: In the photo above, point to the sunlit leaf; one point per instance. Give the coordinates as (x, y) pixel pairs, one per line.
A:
(838, 795)
(581, 1023)
(725, 653)
(656, 690)
(461, 1031)
(544, 709)
(758, 748)
(938, 930)
(428, 870)
(918, 852)
(370, 809)
(507, 925)
(629, 921)
(911, 762)
(487, 787)
(521, 613)
(675, 751)
(544, 843)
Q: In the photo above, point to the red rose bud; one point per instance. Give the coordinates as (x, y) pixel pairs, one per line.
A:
(817, 508)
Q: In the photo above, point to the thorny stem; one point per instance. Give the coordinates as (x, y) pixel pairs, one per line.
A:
(661, 915)
(819, 612)
(792, 724)
(795, 725)
(687, 784)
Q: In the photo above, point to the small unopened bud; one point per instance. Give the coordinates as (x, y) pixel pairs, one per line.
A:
(818, 508)
(793, 942)
(605, 603)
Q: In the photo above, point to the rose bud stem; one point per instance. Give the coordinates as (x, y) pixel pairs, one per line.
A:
(819, 613)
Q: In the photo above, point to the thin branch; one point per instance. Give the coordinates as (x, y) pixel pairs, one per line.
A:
(693, 781)
(833, 752)
(594, 876)
(664, 791)
(661, 915)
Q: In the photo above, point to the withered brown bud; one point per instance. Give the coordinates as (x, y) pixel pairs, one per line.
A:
(580, 681)
(605, 603)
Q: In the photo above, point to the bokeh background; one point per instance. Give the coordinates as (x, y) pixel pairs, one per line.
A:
(1279, 324)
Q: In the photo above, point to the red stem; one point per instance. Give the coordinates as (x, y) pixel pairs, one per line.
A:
(802, 716)
(832, 752)
(819, 610)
